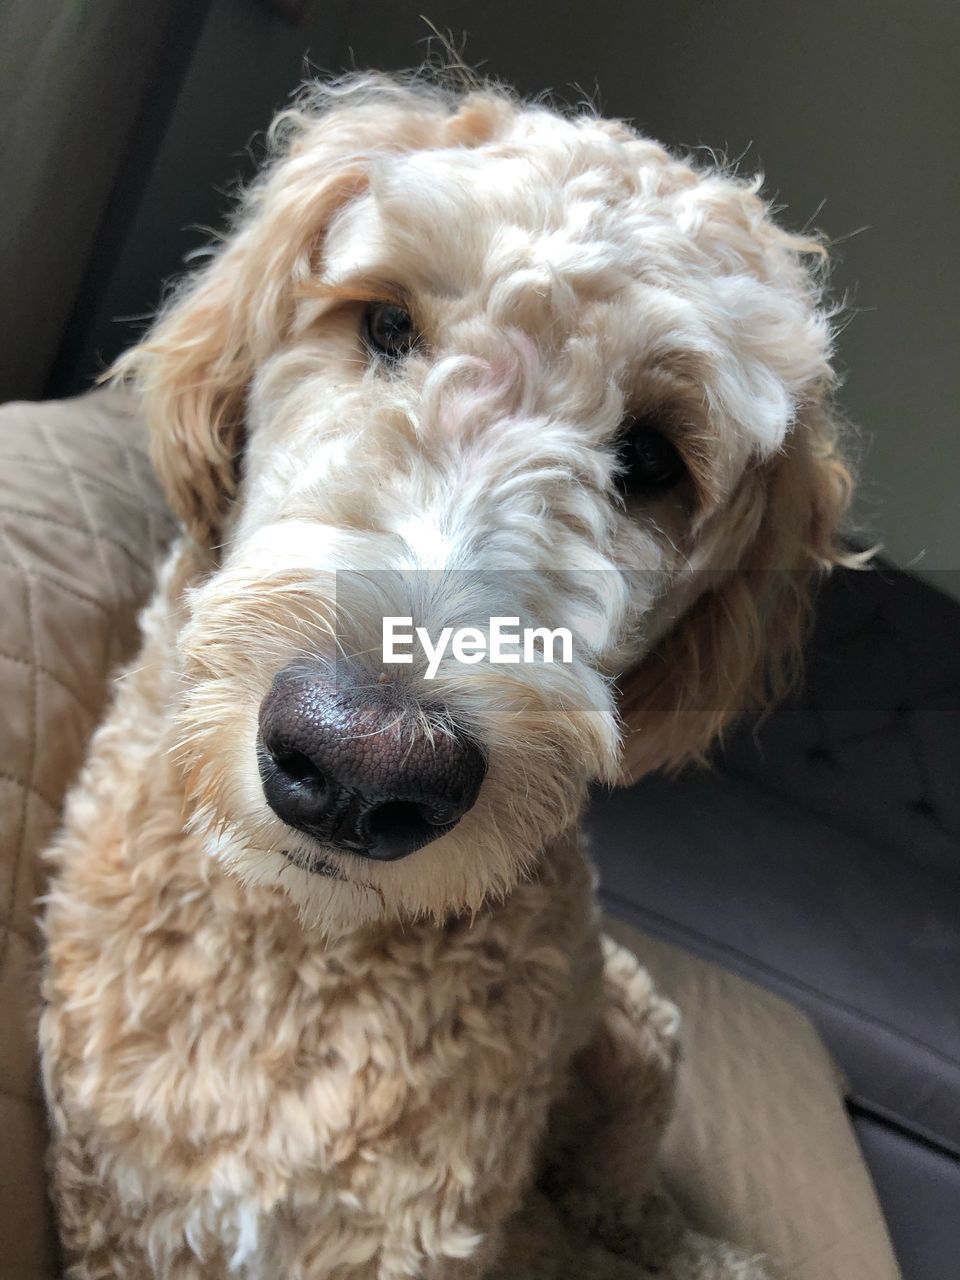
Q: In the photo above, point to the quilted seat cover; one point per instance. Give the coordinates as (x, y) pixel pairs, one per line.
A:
(761, 1150)
(82, 523)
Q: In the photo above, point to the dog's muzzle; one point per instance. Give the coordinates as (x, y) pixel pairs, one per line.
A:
(356, 767)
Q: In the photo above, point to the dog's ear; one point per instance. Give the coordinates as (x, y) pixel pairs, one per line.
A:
(738, 647)
(193, 368)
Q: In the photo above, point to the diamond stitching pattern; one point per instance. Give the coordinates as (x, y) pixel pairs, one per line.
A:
(760, 1148)
(61, 484)
(61, 632)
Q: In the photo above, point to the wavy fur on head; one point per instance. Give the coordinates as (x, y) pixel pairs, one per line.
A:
(568, 275)
(256, 1070)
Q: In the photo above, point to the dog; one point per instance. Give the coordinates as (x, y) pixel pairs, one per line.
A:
(324, 992)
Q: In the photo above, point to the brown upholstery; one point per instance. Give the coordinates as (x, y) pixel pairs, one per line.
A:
(761, 1150)
(81, 525)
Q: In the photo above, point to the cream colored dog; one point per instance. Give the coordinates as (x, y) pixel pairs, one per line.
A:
(324, 989)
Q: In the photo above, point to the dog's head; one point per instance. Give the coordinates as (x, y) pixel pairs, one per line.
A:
(460, 358)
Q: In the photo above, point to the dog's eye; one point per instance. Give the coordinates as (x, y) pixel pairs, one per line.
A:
(649, 463)
(388, 330)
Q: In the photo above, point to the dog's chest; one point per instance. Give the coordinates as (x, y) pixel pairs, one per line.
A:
(207, 1057)
(235, 1052)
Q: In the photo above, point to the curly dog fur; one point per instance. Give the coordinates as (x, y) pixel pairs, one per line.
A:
(425, 1068)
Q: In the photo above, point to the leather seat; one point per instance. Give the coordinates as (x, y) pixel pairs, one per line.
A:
(821, 858)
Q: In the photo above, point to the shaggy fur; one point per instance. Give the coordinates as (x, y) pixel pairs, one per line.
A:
(418, 1069)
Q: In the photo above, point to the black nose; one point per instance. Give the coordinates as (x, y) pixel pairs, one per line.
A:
(356, 768)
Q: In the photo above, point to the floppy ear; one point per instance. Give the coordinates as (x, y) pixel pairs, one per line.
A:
(739, 645)
(193, 368)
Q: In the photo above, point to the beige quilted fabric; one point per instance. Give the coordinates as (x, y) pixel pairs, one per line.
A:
(81, 525)
(761, 1151)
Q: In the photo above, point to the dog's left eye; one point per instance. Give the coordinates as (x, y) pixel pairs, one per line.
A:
(649, 462)
(388, 330)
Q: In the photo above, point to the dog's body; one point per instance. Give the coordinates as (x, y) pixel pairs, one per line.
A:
(287, 1105)
(270, 1055)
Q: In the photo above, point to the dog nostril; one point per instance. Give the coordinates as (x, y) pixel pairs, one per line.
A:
(397, 827)
(301, 769)
(348, 766)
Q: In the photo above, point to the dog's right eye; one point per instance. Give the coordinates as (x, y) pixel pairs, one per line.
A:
(649, 461)
(388, 330)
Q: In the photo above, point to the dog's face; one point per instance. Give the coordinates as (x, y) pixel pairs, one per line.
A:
(458, 361)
